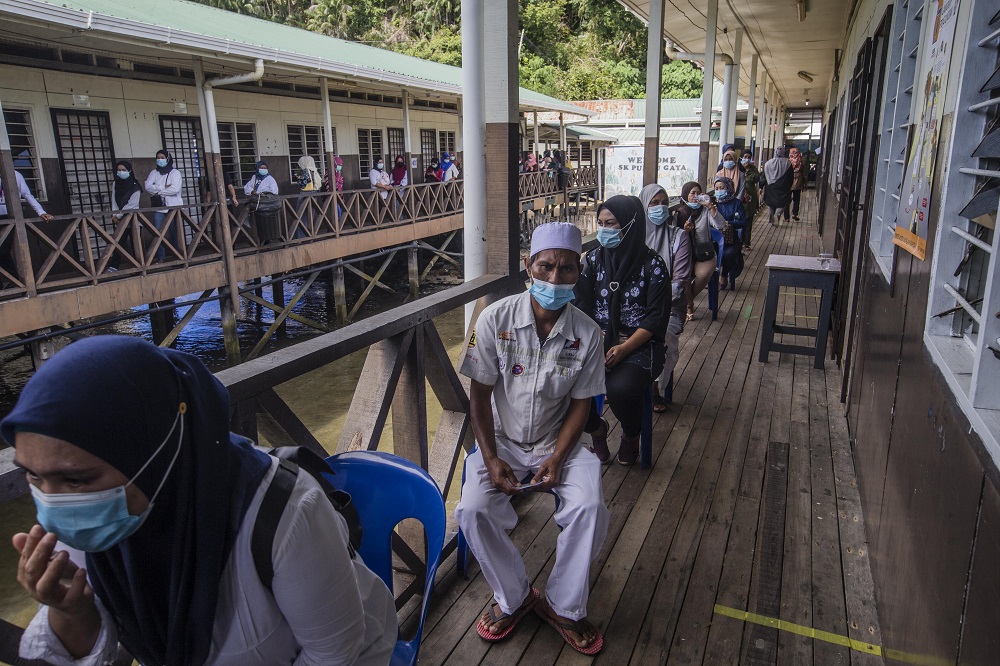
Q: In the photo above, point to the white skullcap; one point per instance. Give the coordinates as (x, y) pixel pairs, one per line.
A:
(556, 236)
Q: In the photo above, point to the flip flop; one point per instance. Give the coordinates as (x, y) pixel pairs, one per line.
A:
(484, 630)
(564, 627)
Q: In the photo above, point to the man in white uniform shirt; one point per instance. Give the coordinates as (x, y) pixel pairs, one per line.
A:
(536, 363)
(7, 253)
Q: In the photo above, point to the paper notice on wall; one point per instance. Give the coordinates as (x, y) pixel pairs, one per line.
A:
(623, 169)
(912, 219)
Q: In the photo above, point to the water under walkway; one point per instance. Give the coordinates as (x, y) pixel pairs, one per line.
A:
(751, 506)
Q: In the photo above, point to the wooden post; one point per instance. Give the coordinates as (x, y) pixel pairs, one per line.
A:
(22, 259)
(711, 24)
(414, 271)
(502, 223)
(654, 84)
(278, 298)
(339, 294)
(161, 322)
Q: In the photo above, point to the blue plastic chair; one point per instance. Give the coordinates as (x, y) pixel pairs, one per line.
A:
(387, 489)
(713, 283)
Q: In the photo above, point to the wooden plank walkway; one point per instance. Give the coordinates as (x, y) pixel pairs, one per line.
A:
(751, 505)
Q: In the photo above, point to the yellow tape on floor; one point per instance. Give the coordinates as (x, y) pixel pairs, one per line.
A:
(829, 637)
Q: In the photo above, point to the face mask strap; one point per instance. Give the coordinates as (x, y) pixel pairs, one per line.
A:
(181, 410)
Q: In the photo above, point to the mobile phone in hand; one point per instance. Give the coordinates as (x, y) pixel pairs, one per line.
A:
(531, 487)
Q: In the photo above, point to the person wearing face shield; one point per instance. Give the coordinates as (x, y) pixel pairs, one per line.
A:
(146, 505)
(731, 168)
(537, 349)
(674, 247)
(625, 286)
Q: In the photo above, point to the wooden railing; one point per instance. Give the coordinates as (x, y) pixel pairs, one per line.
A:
(80, 250)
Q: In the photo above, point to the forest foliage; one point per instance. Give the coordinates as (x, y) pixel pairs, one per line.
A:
(571, 49)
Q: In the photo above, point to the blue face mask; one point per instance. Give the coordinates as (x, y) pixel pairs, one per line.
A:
(551, 296)
(160, 162)
(721, 195)
(658, 214)
(729, 164)
(745, 161)
(608, 237)
(94, 522)
(124, 174)
(263, 172)
(693, 204)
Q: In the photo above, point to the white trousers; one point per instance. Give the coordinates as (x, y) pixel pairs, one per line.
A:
(485, 515)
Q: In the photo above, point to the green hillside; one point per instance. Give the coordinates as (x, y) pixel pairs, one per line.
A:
(572, 49)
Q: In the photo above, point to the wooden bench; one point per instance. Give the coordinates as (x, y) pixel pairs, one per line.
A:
(785, 270)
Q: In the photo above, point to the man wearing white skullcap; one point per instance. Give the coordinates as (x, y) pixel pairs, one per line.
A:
(536, 363)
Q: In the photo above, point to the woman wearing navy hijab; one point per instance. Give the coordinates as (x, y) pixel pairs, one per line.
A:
(128, 453)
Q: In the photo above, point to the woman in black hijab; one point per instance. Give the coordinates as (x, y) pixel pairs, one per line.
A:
(625, 288)
(127, 191)
(129, 457)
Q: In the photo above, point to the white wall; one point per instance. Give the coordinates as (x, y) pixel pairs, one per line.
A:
(134, 107)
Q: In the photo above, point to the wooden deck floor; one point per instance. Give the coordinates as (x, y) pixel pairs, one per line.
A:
(751, 505)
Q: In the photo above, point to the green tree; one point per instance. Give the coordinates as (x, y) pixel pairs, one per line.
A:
(682, 80)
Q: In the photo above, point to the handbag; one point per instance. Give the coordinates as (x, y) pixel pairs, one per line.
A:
(704, 250)
(155, 201)
(265, 203)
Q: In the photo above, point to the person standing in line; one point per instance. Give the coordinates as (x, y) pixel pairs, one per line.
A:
(777, 182)
(432, 174)
(309, 182)
(674, 247)
(731, 209)
(625, 287)
(164, 185)
(751, 195)
(7, 262)
(698, 216)
(798, 179)
(126, 191)
(266, 224)
(536, 363)
(448, 169)
(399, 177)
(380, 180)
(733, 170)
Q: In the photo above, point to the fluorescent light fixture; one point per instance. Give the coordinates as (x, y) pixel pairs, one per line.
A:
(800, 9)
(805, 77)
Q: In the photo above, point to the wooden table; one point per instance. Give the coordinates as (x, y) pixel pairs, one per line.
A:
(785, 270)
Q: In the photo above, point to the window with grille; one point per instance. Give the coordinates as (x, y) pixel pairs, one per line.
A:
(23, 150)
(238, 148)
(446, 142)
(897, 105)
(307, 140)
(396, 143)
(428, 141)
(963, 331)
(370, 148)
(586, 153)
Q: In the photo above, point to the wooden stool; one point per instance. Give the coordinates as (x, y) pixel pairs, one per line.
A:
(793, 271)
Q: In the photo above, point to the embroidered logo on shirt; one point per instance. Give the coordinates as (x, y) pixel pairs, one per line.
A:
(517, 370)
(572, 344)
(506, 336)
(472, 340)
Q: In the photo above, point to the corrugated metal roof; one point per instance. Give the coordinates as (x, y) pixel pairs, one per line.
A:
(185, 25)
(575, 132)
(668, 136)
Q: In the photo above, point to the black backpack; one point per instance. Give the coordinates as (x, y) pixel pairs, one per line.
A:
(290, 460)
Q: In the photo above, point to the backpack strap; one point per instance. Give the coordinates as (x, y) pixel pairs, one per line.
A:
(268, 516)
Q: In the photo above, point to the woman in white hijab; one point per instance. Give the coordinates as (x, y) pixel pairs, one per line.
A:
(674, 246)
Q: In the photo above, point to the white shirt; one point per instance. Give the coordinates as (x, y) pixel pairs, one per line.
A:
(325, 608)
(533, 382)
(167, 186)
(380, 178)
(24, 193)
(267, 184)
(131, 204)
(450, 174)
